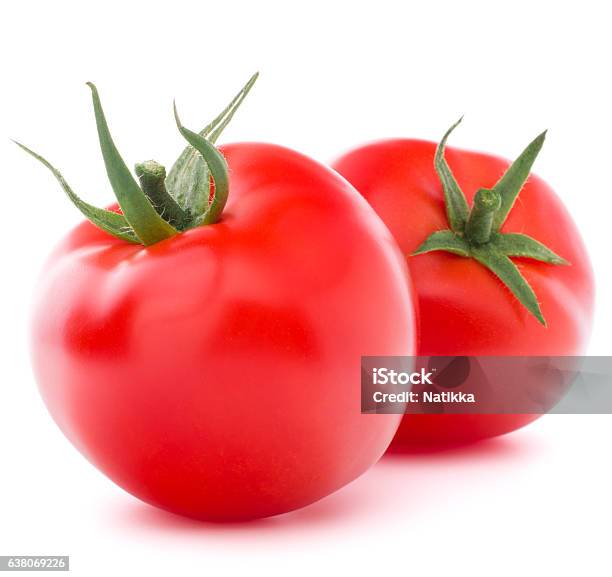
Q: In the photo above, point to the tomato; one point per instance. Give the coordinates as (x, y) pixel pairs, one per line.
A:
(200, 342)
(465, 309)
(216, 373)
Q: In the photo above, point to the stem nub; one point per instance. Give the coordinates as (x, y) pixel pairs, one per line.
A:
(480, 222)
(152, 177)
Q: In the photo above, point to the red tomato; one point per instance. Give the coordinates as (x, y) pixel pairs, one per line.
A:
(464, 309)
(216, 374)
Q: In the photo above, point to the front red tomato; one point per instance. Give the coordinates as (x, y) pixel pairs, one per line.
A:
(216, 373)
(464, 309)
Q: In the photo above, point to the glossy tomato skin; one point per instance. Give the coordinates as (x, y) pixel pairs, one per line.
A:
(463, 308)
(216, 374)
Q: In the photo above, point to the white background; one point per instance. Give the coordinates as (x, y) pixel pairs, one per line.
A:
(333, 74)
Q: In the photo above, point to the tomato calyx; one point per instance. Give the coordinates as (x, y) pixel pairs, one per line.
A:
(474, 232)
(159, 206)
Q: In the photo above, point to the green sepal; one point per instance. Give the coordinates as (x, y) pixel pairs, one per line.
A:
(521, 245)
(492, 258)
(502, 267)
(445, 240)
(217, 126)
(512, 181)
(494, 255)
(218, 171)
(189, 183)
(457, 209)
(148, 225)
(189, 180)
(110, 222)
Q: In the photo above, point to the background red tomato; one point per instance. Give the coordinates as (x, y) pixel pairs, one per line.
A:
(463, 308)
(216, 374)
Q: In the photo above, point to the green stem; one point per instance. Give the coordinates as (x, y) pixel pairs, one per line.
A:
(480, 222)
(152, 177)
